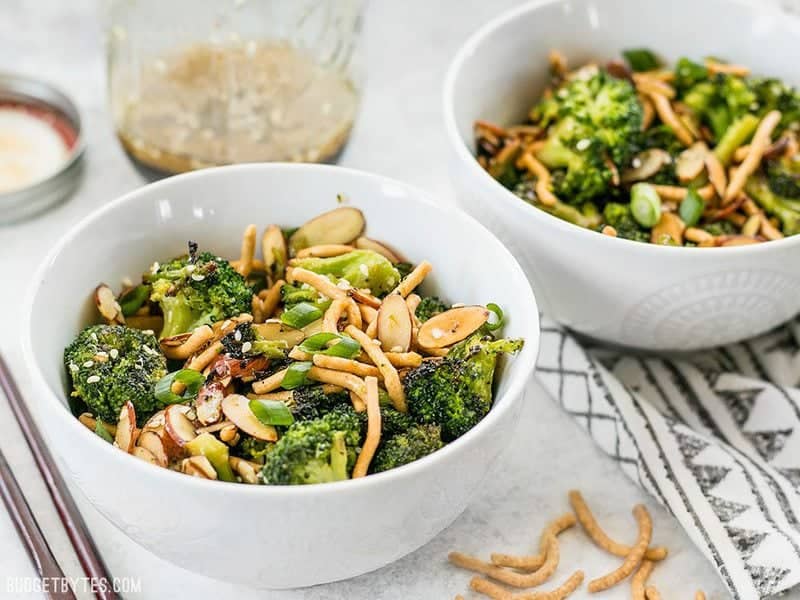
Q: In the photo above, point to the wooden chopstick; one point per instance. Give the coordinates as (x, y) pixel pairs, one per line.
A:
(71, 518)
(31, 534)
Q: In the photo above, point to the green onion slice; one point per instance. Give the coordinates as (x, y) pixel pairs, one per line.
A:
(645, 204)
(691, 208)
(641, 59)
(346, 347)
(193, 380)
(271, 412)
(317, 342)
(296, 375)
(133, 299)
(498, 312)
(300, 315)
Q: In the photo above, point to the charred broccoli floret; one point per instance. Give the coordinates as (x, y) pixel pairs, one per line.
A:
(456, 393)
(620, 218)
(316, 451)
(403, 448)
(311, 402)
(594, 120)
(783, 176)
(196, 290)
(245, 342)
(112, 364)
(428, 307)
(253, 449)
(786, 210)
(360, 268)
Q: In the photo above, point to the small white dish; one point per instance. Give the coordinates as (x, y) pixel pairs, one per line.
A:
(619, 291)
(270, 536)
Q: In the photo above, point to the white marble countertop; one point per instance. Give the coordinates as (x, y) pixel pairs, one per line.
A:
(408, 45)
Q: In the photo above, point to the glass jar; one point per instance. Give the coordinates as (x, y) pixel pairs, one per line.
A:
(198, 83)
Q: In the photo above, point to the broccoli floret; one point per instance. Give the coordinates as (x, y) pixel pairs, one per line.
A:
(598, 119)
(620, 218)
(253, 449)
(244, 333)
(429, 306)
(197, 290)
(773, 94)
(393, 421)
(721, 228)
(786, 210)
(661, 136)
(361, 269)
(311, 402)
(688, 73)
(316, 451)
(783, 176)
(403, 448)
(111, 364)
(456, 392)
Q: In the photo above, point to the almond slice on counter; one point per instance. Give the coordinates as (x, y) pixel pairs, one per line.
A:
(125, 438)
(338, 226)
(237, 410)
(451, 326)
(394, 324)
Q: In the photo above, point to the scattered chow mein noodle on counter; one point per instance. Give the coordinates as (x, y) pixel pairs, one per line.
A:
(506, 573)
(697, 154)
(319, 361)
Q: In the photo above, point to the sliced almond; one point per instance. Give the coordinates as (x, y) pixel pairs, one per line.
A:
(146, 455)
(175, 340)
(155, 422)
(237, 410)
(273, 247)
(125, 439)
(451, 326)
(324, 251)
(690, 162)
(365, 243)
(208, 404)
(645, 165)
(394, 324)
(273, 329)
(107, 304)
(338, 226)
(198, 466)
(152, 442)
(178, 426)
(669, 226)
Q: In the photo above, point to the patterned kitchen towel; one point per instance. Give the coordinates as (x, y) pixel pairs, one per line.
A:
(714, 436)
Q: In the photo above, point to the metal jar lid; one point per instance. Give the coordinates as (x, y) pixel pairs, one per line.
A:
(43, 99)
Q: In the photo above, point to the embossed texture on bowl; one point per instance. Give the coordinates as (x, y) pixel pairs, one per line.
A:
(269, 536)
(639, 295)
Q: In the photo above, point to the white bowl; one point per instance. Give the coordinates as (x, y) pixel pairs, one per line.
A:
(628, 293)
(262, 536)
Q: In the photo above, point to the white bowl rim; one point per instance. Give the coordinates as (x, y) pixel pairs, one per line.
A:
(451, 129)
(529, 352)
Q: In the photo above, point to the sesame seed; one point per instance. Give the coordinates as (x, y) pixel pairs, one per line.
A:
(246, 347)
(88, 364)
(149, 350)
(343, 284)
(198, 277)
(190, 268)
(148, 331)
(114, 353)
(94, 336)
(457, 305)
(583, 144)
(73, 367)
(364, 269)
(102, 354)
(237, 335)
(154, 267)
(93, 379)
(636, 163)
(437, 333)
(226, 324)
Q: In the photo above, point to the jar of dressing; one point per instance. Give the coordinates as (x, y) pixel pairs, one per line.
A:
(199, 83)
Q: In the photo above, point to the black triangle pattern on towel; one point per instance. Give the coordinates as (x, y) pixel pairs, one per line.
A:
(708, 444)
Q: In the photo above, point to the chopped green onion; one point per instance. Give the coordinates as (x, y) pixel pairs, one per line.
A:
(133, 299)
(691, 208)
(101, 431)
(193, 380)
(317, 342)
(498, 312)
(271, 412)
(300, 315)
(270, 348)
(641, 59)
(346, 347)
(296, 375)
(645, 204)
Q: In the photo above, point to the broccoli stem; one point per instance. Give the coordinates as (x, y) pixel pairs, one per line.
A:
(774, 205)
(339, 456)
(735, 135)
(572, 214)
